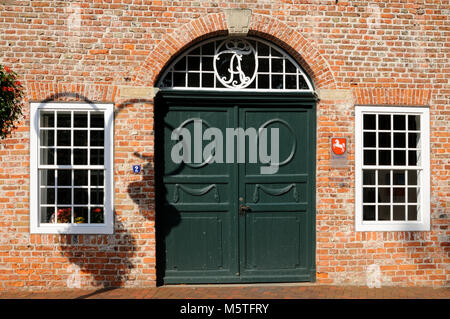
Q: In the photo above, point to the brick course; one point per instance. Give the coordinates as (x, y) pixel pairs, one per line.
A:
(380, 52)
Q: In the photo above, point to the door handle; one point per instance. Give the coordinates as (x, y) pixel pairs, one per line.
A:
(243, 209)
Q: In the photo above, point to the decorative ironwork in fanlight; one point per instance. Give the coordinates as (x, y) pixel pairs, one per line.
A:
(235, 64)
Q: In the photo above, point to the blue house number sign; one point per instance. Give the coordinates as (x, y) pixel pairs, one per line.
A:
(136, 169)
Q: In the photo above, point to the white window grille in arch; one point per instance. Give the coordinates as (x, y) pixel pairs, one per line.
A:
(246, 64)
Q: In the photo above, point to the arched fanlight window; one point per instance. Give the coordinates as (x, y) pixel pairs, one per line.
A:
(235, 64)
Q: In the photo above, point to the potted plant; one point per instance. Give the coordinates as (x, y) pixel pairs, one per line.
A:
(11, 93)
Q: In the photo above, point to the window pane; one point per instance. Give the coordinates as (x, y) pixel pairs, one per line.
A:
(47, 195)
(194, 63)
(64, 215)
(412, 195)
(47, 119)
(384, 177)
(368, 195)
(412, 177)
(248, 64)
(384, 212)
(399, 157)
(63, 119)
(80, 196)
(277, 81)
(208, 80)
(384, 122)
(263, 50)
(64, 177)
(384, 157)
(167, 80)
(368, 212)
(97, 215)
(399, 140)
(80, 177)
(64, 195)
(414, 122)
(384, 195)
(302, 83)
(368, 177)
(96, 195)
(289, 67)
(63, 156)
(47, 138)
(207, 64)
(80, 156)
(369, 157)
(47, 156)
(97, 120)
(369, 139)
(398, 195)
(384, 139)
(97, 178)
(80, 215)
(47, 177)
(277, 65)
(97, 138)
(63, 138)
(80, 138)
(96, 157)
(193, 79)
(47, 215)
(179, 79)
(80, 119)
(399, 213)
(399, 122)
(290, 82)
(412, 212)
(275, 52)
(413, 140)
(398, 177)
(180, 65)
(369, 121)
(413, 158)
(263, 81)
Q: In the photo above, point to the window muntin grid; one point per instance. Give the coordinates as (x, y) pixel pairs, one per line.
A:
(392, 162)
(263, 66)
(71, 168)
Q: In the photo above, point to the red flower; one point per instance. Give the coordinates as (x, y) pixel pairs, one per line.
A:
(10, 89)
(8, 69)
(97, 210)
(17, 83)
(5, 89)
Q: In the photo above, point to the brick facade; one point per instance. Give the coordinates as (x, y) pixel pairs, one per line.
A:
(379, 53)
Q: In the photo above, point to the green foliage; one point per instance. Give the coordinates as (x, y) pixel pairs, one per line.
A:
(11, 93)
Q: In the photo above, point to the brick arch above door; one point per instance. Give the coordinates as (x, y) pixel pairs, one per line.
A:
(303, 50)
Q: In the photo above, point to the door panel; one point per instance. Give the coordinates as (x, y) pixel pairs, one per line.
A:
(205, 237)
(277, 243)
(199, 232)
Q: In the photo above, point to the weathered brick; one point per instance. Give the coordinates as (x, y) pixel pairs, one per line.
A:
(353, 54)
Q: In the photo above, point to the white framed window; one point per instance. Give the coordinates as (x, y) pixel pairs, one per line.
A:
(71, 168)
(392, 168)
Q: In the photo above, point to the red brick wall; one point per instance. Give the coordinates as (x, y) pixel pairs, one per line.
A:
(380, 52)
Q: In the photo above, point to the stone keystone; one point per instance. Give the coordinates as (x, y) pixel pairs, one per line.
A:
(238, 21)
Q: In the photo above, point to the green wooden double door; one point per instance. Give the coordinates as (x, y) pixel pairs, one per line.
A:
(226, 221)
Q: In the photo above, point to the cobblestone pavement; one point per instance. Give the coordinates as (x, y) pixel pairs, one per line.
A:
(278, 291)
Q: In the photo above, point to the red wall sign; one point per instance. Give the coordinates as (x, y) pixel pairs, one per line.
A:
(339, 145)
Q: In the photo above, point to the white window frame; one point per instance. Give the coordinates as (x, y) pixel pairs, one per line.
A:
(423, 222)
(60, 228)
